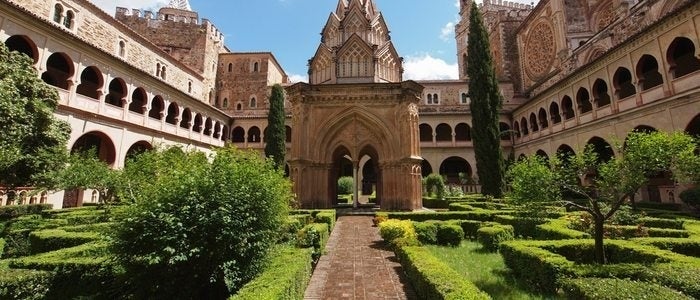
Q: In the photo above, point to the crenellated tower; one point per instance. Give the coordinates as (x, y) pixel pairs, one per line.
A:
(355, 47)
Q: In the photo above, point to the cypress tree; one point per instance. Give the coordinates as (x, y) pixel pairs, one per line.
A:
(486, 103)
(276, 131)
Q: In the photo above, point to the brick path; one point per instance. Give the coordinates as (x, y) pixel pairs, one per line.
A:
(357, 265)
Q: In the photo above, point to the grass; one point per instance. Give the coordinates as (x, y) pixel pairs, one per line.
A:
(486, 270)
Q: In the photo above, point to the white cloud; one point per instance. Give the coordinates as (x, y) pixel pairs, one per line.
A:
(294, 78)
(110, 6)
(426, 67)
(446, 33)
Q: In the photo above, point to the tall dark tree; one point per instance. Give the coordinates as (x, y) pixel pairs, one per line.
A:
(486, 103)
(32, 141)
(276, 131)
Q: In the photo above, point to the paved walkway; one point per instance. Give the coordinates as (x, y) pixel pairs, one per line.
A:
(357, 265)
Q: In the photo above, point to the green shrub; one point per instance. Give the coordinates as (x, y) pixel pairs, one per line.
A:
(204, 225)
(537, 268)
(460, 207)
(691, 197)
(392, 230)
(619, 231)
(24, 284)
(558, 229)
(13, 211)
(449, 234)
(326, 216)
(478, 215)
(97, 227)
(524, 226)
(2, 246)
(660, 206)
(285, 277)
(435, 184)
(426, 232)
(471, 227)
(690, 247)
(490, 237)
(435, 203)
(16, 243)
(680, 277)
(314, 235)
(54, 239)
(433, 279)
(662, 223)
(345, 185)
(291, 227)
(610, 289)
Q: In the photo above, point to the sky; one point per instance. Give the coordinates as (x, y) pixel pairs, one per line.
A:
(422, 30)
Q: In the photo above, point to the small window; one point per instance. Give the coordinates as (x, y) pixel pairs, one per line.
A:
(436, 99)
(225, 104)
(162, 73)
(465, 98)
(256, 67)
(253, 103)
(68, 21)
(230, 67)
(122, 49)
(58, 13)
(189, 87)
(239, 107)
(157, 69)
(430, 98)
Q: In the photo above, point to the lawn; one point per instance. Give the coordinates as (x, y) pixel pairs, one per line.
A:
(487, 270)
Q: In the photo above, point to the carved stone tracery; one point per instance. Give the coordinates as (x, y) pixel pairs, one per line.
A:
(540, 50)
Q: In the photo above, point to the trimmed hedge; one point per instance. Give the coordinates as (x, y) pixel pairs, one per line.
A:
(98, 227)
(662, 223)
(314, 235)
(285, 277)
(13, 211)
(449, 234)
(2, 246)
(524, 226)
(426, 232)
(535, 267)
(328, 217)
(558, 229)
(24, 284)
(433, 279)
(678, 276)
(478, 215)
(621, 231)
(491, 236)
(460, 207)
(690, 247)
(612, 289)
(55, 239)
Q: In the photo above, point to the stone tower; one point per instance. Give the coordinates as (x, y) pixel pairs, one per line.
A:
(356, 111)
(462, 37)
(355, 47)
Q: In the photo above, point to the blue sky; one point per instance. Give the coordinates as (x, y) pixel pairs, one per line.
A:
(422, 30)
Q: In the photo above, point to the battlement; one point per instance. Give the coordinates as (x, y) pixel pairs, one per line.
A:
(169, 15)
(496, 5)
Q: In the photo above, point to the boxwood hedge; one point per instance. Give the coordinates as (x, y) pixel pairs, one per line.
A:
(449, 234)
(613, 289)
(426, 232)
(285, 276)
(24, 284)
(54, 239)
(433, 279)
(491, 236)
(13, 211)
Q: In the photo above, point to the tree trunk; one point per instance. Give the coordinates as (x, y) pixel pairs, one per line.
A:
(599, 247)
(633, 202)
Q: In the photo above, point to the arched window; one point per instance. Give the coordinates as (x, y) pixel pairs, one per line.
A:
(238, 135)
(186, 121)
(523, 127)
(90, 83)
(217, 130)
(426, 133)
(287, 134)
(23, 44)
(567, 107)
(648, 72)
(239, 107)
(117, 93)
(544, 121)
(189, 87)
(436, 99)
(230, 67)
(504, 129)
(253, 103)
(162, 73)
(430, 98)
(138, 101)
(157, 69)
(68, 21)
(533, 122)
(583, 99)
(157, 107)
(173, 114)
(464, 64)
(465, 98)
(254, 135)
(681, 57)
(443, 133)
(59, 69)
(57, 13)
(622, 82)
(600, 93)
(256, 67)
(463, 132)
(516, 128)
(225, 104)
(554, 113)
(198, 122)
(208, 127)
(122, 49)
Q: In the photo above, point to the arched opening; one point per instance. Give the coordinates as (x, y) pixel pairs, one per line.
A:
(217, 130)
(157, 108)
(239, 107)
(516, 128)
(554, 113)
(645, 129)
(602, 148)
(523, 127)
(371, 173)
(186, 119)
(138, 101)
(533, 122)
(225, 103)
(22, 200)
(600, 93)
(505, 131)
(452, 167)
(287, 134)
(256, 67)
(342, 167)
(137, 149)
(91, 83)
(464, 65)
(230, 67)
(23, 44)
(58, 13)
(238, 135)
(426, 168)
(173, 114)
(681, 57)
(117, 93)
(463, 132)
(567, 107)
(443, 133)
(44, 198)
(565, 153)
(622, 81)
(543, 155)
(198, 123)
(208, 127)
(693, 127)
(583, 100)
(11, 198)
(254, 135)
(648, 72)
(253, 103)
(544, 121)
(59, 69)
(225, 133)
(426, 132)
(98, 142)
(68, 20)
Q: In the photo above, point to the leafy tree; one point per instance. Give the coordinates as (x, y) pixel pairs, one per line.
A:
(276, 131)
(86, 171)
(486, 103)
(33, 142)
(536, 182)
(435, 182)
(203, 226)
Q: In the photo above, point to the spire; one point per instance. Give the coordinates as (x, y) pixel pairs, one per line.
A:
(180, 4)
